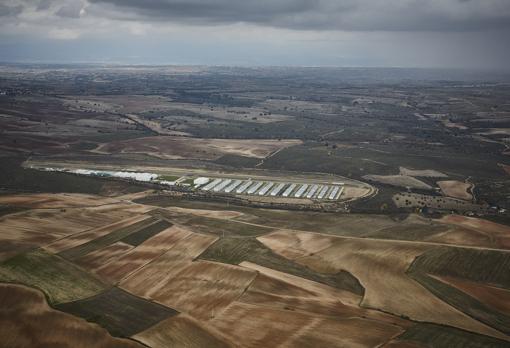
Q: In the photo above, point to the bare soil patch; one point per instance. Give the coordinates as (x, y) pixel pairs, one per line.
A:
(426, 173)
(100, 257)
(169, 147)
(203, 289)
(122, 266)
(34, 228)
(295, 245)
(55, 200)
(183, 331)
(26, 320)
(257, 326)
(283, 291)
(218, 214)
(87, 236)
(153, 278)
(456, 189)
(381, 266)
(498, 234)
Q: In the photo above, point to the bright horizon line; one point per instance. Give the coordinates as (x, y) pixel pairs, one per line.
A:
(148, 64)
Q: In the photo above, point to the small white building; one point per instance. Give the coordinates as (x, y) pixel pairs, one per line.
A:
(201, 181)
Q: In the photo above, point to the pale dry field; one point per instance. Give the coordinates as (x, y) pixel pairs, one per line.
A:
(152, 278)
(199, 288)
(60, 221)
(458, 235)
(455, 189)
(26, 320)
(77, 239)
(35, 228)
(183, 331)
(429, 173)
(353, 192)
(284, 291)
(125, 264)
(255, 326)
(217, 214)
(293, 245)
(100, 257)
(170, 147)
(55, 200)
(204, 288)
(497, 235)
(380, 266)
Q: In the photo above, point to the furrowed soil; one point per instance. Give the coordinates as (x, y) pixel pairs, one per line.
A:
(381, 267)
(26, 320)
(183, 331)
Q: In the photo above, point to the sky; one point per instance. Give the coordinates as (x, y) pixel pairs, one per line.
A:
(471, 34)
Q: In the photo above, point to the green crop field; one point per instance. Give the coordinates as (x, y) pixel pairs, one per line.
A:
(60, 280)
(486, 266)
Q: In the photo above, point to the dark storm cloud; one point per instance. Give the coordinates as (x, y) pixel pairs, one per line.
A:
(361, 15)
(10, 11)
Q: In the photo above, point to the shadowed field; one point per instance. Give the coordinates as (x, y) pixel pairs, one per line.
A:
(121, 313)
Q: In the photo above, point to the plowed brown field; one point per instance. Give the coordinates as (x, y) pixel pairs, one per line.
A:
(84, 237)
(26, 320)
(122, 266)
(498, 235)
(153, 277)
(102, 256)
(183, 331)
(380, 267)
(257, 326)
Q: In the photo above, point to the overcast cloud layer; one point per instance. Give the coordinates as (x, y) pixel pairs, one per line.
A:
(421, 33)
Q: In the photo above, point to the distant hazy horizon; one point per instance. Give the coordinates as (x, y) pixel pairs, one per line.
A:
(469, 34)
(351, 75)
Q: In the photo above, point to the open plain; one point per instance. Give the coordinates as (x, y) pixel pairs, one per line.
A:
(253, 207)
